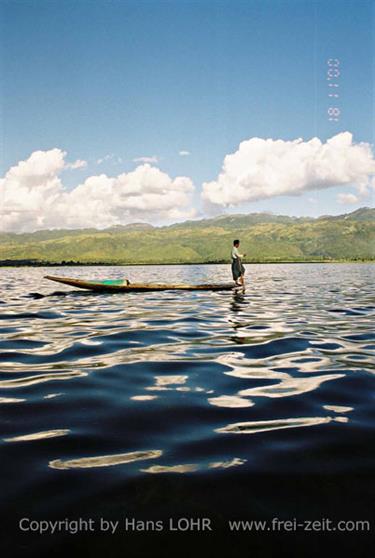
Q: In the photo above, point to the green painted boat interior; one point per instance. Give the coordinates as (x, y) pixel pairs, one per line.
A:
(108, 282)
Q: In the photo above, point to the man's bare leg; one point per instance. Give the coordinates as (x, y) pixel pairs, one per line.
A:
(240, 281)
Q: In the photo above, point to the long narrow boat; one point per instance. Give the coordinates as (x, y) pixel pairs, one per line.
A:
(123, 285)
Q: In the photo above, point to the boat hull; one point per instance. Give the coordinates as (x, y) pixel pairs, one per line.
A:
(121, 286)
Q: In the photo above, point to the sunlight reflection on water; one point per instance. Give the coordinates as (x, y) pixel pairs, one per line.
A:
(177, 370)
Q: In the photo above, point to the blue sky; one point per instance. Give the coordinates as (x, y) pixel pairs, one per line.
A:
(152, 78)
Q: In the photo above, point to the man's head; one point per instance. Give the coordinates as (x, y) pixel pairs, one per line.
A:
(236, 243)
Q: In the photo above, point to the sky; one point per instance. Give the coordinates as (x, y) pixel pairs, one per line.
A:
(159, 111)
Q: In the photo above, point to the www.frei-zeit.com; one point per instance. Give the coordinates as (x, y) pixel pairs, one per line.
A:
(186, 524)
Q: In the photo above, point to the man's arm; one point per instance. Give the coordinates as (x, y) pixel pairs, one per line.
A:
(236, 254)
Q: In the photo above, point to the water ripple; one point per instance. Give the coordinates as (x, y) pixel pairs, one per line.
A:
(104, 460)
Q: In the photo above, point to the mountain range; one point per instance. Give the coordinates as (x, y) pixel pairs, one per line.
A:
(265, 237)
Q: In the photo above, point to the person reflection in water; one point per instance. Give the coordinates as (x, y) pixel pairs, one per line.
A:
(238, 270)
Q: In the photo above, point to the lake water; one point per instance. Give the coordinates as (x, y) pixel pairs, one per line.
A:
(212, 404)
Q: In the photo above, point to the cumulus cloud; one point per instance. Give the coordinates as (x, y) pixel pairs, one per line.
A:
(348, 199)
(184, 153)
(33, 197)
(153, 159)
(262, 169)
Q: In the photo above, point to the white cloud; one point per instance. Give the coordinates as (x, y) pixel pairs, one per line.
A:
(78, 164)
(33, 197)
(262, 169)
(153, 159)
(348, 199)
(29, 186)
(184, 153)
(110, 157)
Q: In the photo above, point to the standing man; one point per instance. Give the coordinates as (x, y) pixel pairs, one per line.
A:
(238, 270)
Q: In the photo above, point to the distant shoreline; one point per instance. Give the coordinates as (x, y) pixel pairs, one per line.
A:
(25, 263)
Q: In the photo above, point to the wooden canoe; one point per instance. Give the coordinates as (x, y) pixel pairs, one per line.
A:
(121, 285)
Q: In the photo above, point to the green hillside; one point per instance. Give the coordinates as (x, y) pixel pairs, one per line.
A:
(264, 237)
